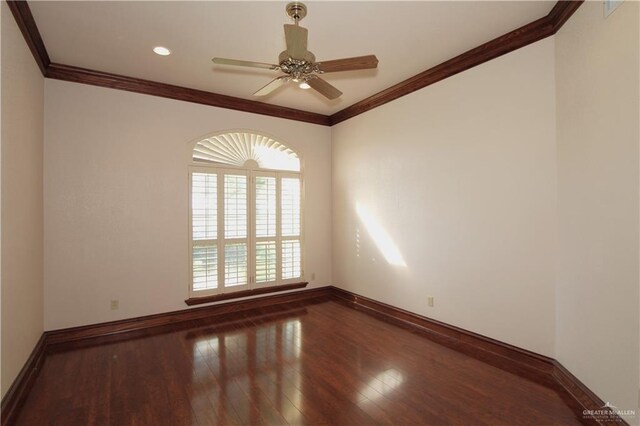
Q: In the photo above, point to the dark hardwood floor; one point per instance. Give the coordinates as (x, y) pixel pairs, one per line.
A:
(320, 363)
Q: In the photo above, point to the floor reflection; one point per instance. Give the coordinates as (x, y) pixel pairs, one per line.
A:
(316, 362)
(381, 385)
(247, 372)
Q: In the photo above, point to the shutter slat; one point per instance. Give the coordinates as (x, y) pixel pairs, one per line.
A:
(290, 207)
(291, 259)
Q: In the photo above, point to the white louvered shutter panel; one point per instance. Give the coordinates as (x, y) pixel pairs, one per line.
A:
(291, 259)
(291, 254)
(204, 221)
(235, 230)
(265, 229)
(265, 206)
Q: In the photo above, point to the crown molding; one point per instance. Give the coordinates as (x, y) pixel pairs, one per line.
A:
(22, 14)
(24, 18)
(513, 40)
(147, 87)
(561, 13)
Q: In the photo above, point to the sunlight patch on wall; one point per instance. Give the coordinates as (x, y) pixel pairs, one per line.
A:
(380, 237)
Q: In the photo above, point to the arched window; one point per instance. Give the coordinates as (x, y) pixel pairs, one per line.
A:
(245, 214)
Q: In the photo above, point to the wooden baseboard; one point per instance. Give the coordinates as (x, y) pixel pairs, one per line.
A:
(524, 363)
(502, 355)
(168, 318)
(17, 393)
(87, 335)
(582, 398)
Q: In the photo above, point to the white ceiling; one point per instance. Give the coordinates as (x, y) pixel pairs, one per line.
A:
(407, 37)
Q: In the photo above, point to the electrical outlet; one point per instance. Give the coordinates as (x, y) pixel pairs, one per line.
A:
(313, 276)
(115, 304)
(430, 301)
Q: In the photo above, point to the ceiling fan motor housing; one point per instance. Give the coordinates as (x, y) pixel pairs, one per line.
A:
(285, 59)
(298, 69)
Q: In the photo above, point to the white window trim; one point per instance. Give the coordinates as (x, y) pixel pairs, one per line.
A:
(251, 173)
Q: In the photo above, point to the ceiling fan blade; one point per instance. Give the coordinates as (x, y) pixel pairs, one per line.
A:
(226, 61)
(324, 88)
(296, 38)
(349, 64)
(272, 85)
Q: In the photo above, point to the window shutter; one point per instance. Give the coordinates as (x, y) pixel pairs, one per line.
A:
(236, 148)
(265, 206)
(245, 214)
(204, 206)
(265, 261)
(204, 222)
(235, 230)
(235, 264)
(235, 206)
(290, 207)
(290, 219)
(291, 259)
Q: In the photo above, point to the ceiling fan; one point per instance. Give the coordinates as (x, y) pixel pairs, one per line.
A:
(298, 64)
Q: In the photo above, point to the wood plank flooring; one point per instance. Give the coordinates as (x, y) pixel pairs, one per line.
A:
(320, 363)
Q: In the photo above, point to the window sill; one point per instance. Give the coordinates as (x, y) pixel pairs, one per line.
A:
(244, 293)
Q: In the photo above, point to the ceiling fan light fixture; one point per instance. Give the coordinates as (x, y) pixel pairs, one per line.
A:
(161, 50)
(304, 85)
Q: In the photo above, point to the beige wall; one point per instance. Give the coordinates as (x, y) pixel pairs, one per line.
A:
(462, 178)
(116, 198)
(22, 213)
(521, 221)
(597, 290)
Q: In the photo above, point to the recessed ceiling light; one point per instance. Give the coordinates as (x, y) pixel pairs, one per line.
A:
(162, 51)
(304, 85)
